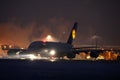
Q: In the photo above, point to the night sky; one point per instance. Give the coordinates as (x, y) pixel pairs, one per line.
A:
(24, 21)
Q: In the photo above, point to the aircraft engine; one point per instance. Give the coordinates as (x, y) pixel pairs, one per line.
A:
(94, 54)
(14, 51)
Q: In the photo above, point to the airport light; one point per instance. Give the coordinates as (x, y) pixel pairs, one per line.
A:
(88, 57)
(49, 38)
(5, 46)
(10, 46)
(21, 48)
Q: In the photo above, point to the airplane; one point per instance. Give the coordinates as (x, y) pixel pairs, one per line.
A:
(54, 49)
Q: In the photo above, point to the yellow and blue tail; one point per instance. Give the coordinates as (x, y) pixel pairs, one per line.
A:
(72, 33)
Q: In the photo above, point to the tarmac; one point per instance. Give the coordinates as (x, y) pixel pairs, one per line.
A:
(16, 69)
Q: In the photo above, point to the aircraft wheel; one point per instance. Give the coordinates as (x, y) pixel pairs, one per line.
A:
(70, 55)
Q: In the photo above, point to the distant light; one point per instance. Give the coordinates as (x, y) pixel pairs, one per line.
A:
(49, 37)
(102, 48)
(5, 47)
(10, 46)
(22, 48)
(44, 42)
(88, 57)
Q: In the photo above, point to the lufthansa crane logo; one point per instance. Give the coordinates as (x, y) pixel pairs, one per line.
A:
(73, 33)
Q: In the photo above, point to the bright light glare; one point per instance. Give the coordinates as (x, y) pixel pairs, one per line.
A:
(49, 37)
(88, 57)
(52, 52)
(100, 57)
(32, 57)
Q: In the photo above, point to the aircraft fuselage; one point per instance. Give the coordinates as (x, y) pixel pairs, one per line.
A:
(46, 48)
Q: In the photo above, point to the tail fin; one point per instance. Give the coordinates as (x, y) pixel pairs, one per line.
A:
(72, 34)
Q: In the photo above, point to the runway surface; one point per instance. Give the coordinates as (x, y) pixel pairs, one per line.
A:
(15, 69)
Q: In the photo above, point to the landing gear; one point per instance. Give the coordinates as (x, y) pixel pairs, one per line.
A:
(118, 58)
(94, 54)
(70, 55)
